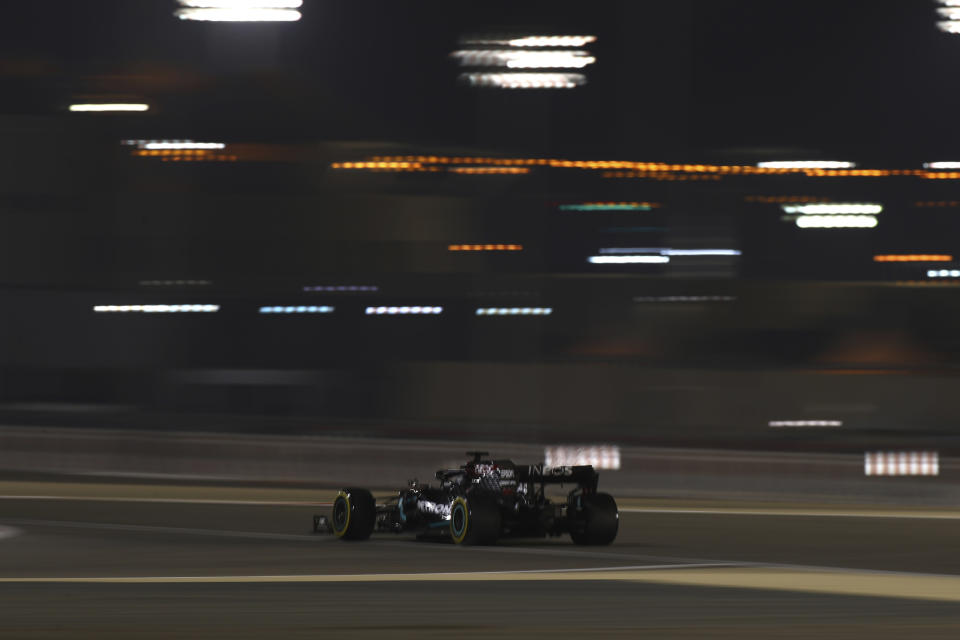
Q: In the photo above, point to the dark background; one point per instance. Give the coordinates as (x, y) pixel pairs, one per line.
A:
(815, 326)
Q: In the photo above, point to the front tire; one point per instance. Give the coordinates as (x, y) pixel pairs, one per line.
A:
(598, 517)
(474, 521)
(354, 514)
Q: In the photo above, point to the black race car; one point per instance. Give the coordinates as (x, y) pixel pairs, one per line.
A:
(479, 503)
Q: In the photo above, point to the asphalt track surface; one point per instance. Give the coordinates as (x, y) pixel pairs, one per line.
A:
(105, 564)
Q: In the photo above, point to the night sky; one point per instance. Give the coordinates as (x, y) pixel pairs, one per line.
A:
(859, 78)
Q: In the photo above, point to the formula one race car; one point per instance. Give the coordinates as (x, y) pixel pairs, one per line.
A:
(480, 502)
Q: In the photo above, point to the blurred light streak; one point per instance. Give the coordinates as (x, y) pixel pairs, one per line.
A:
(534, 41)
(830, 209)
(551, 41)
(342, 288)
(943, 273)
(913, 258)
(109, 107)
(242, 4)
(941, 165)
(489, 170)
(628, 259)
(382, 166)
(632, 250)
(238, 15)
(297, 309)
(805, 423)
(157, 308)
(901, 463)
(611, 206)
(600, 456)
(671, 252)
(485, 247)
(941, 175)
(806, 164)
(702, 252)
(685, 299)
(379, 311)
(937, 204)
(525, 80)
(180, 144)
(663, 177)
(524, 59)
(514, 311)
(837, 222)
(175, 283)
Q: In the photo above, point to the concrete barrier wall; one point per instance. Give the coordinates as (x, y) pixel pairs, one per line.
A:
(389, 463)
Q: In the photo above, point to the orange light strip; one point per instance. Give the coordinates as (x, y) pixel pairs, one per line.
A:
(937, 203)
(488, 170)
(387, 166)
(913, 258)
(485, 247)
(652, 170)
(216, 158)
(171, 152)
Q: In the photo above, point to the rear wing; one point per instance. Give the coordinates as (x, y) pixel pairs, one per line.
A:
(585, 476)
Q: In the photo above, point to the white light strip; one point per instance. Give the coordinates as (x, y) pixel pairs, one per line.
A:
(837, 222)
(534, 41)
(109, 106)
(807, 164)
(670, 252)
(299, 309)
(525, 80)
(185, 144)
(514, 311)
(238, 15)
(941, 165)
(833, 209)
(901, 463)
(601, 456)
(242, 4)
(157, 308)
(520, 59)
(949, 26)
(628, 259)
(701, 252)
(685, 299)
(943, 273)
(379, 311)
(805, 423)
(552, 41)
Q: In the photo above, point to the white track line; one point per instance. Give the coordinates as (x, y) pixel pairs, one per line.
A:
(813, 513)
(253, 503)
(375, 577)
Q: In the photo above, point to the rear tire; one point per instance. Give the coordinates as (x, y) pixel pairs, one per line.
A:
(599, 517)
(475, 521)
(354, 514)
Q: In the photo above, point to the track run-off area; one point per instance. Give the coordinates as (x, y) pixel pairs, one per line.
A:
(102, 560)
